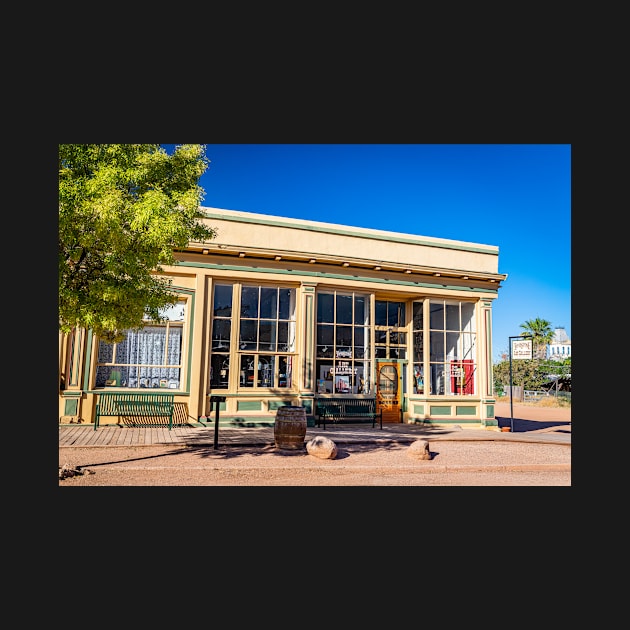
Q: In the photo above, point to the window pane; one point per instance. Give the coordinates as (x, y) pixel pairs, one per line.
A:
(222, 300)
(380, 313)
(284, 371)
(219, 371)
(418, 346)
(249, 302)
(468, 317)
(363, 379)
(395, 314)
(174, 351)
(247, 370)
(287, 304)
(343, 336)
(267, 335)
(438, 379)
(265, 370)
(451, 346)
(325, 335)
(359, 342)
(221, 329)
(418, 379)
(291, 329)
(283, 336)
(418, 319)
(468, 346)
(325, 308)
(174, 313)
(324, 377)
(105, 352)
(437, 316)
(436, 349)
(452, 317)
(248, 339)
(268, 303)
(344, 309)
(360, 312)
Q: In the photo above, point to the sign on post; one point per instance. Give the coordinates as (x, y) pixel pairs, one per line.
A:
(522, 349)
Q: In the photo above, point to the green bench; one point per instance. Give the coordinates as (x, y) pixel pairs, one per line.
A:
(140, 409)
(347, 410)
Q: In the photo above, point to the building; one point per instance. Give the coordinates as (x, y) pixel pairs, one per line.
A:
(278, 311)
(560, 347)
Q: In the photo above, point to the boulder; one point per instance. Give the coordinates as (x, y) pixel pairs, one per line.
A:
(419, 450)
(321, 447)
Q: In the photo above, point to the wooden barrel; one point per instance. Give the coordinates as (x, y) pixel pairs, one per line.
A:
(289, 429)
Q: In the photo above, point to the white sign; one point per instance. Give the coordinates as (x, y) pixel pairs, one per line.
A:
(522, 349)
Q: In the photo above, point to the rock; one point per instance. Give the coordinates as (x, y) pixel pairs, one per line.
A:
(419, 450)
(70, 471)
(321, 447)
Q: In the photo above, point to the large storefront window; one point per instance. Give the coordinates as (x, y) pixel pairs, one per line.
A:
(264, 337)
(146, 358)
(343, 343)
(221, 336)
(418, 348)
(452, 347)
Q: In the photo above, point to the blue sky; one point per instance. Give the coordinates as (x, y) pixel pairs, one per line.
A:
(514, 196)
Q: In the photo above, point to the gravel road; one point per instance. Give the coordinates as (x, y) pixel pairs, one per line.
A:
(452, 463)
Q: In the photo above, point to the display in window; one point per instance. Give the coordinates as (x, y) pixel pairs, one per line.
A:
(342, 384)
(462, 377)
(418, 380)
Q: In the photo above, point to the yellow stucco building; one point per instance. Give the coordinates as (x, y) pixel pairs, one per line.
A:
(278, 311)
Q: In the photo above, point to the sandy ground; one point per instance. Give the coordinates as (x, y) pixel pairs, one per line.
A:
(452, 463)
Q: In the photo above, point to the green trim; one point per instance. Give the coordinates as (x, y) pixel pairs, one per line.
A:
(489, 411)
(249, 405)
(338, 276)
(71, 408)
(439, 411)
(465, 411)
(345, 231)
(87, 363)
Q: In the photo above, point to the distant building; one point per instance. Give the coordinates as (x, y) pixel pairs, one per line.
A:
(560, 347)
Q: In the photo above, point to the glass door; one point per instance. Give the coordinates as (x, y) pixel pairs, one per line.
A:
(388, 390)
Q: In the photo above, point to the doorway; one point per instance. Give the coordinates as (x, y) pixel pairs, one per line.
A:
(388, 390)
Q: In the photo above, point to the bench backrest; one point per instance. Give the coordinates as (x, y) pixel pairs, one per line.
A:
(110, 403)
(346, 406)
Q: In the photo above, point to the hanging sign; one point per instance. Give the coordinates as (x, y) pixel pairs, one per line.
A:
(522, 349)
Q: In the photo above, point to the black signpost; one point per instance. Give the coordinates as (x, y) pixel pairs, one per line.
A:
(524, 352)
(218, 400)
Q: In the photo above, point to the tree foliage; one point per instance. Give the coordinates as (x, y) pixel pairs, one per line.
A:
(541, 334)
(530, 374)
(123, 211)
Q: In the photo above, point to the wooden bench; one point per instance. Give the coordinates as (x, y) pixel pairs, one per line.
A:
(348, 410)
(139, 408)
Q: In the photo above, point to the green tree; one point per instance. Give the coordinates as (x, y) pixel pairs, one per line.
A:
(541, 334)
(123, 211)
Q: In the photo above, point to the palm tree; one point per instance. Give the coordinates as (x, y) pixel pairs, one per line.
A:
(540, 332)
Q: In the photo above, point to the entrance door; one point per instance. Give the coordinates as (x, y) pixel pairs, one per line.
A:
(388, 391)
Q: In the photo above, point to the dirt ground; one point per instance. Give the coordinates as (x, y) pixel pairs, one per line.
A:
(452, 463)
